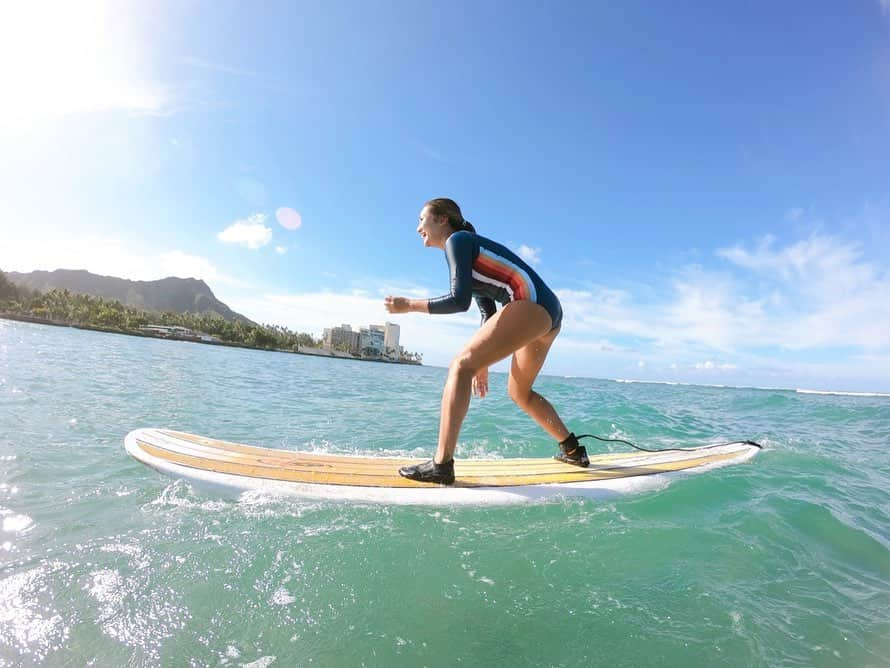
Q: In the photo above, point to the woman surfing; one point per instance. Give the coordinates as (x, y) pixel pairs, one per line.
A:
(525, 327)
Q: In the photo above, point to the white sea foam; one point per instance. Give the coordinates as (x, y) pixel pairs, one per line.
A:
(175, 494)
(282, 597)
(753, 387)
(475, 450)
(262, 662)
(844, 394)
(328, 448)
(648, 382)
(679, 383)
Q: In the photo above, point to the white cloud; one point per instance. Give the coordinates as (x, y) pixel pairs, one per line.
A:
(281, 250)
(589, 347)
(707, 309)
(251, 232)
(885, 6)
(530, 255)
(811, 294)
(601, 310)
(710, 365)
(387, 288)
(184, 265)
(817, 295)
(107, 257)
(820, 262)
(832, 295)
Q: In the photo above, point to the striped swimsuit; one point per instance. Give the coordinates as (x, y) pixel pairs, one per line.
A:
(484, 269)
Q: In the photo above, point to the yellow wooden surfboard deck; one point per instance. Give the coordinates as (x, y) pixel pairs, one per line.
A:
(240, 467)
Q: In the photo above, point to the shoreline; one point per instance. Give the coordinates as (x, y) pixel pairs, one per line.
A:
(311, 352)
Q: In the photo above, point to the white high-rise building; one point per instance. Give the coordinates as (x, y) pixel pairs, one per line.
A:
(342, 337)
(391, 336)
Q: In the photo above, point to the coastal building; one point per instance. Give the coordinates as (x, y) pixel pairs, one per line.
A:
(341, 338)
(391, 337)
(380, 341)
(177, 332)
(371, 340)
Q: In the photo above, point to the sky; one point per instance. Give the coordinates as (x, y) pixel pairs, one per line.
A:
(706, 188)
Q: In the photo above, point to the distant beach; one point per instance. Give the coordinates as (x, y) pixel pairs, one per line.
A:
(317, 352)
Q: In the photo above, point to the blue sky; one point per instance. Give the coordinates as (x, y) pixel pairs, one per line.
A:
(706, 188)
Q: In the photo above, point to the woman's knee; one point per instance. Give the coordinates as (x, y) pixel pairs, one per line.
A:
(463, 365)
(521, 396)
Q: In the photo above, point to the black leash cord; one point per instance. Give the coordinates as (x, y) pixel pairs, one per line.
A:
(621, 440)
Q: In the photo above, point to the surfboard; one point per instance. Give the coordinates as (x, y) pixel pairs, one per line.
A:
(235, 467)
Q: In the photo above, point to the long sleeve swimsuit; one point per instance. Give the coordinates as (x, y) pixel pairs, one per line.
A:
(484, 269)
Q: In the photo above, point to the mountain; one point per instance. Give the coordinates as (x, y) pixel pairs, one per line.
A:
(181, 295)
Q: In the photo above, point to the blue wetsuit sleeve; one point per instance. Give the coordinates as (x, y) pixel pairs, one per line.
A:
(487, 307)
(459, 253)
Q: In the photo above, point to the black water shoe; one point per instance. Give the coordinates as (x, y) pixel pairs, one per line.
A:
(572, 452)
(429, 471)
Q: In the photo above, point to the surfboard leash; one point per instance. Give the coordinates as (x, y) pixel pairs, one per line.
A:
(703, 447)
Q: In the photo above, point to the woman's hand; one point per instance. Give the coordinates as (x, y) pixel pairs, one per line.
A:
(480, 382)
(398, 304)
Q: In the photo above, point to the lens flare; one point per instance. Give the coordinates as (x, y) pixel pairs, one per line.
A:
(288, 218)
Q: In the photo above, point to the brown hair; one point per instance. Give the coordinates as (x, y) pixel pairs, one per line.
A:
(442, 206)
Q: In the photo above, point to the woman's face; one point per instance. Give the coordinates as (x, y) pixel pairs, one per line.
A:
(433, 229)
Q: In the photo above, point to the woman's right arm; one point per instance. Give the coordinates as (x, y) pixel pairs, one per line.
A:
(459, 253)
(405, 305)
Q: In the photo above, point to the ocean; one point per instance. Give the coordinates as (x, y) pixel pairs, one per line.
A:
(783, 561)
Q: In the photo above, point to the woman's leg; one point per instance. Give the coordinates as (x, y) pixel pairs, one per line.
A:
(512, 328)
(527, 363)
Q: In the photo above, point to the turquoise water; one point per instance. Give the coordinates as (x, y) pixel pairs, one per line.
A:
(781, 562)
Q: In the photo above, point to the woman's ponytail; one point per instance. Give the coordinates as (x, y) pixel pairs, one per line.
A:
(442, 206)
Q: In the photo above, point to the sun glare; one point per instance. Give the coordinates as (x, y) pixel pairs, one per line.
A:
(63, 58)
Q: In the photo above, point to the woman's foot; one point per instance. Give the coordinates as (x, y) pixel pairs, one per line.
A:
(572, 452)
(429, 471)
